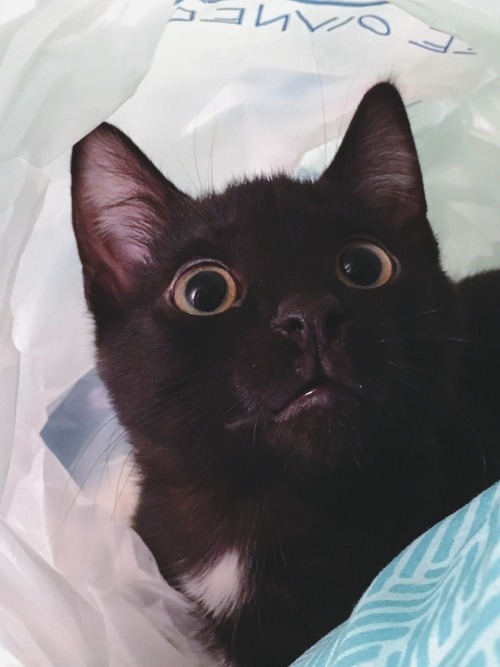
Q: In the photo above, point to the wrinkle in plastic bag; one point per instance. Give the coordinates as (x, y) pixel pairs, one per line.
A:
(211, 91)
(21, 193)
(75, 588)
(82, 49)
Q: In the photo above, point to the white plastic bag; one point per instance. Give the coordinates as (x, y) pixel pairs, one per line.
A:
(76, 588)
(234, 87)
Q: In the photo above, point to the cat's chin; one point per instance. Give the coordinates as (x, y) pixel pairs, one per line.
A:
(317, 424)
(317, 427)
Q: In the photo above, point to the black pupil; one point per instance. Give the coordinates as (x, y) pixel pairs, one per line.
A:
(206, 291)
(361, 265)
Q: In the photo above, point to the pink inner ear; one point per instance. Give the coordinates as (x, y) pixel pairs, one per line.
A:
(114, 264)
(126, 236)
(122, 213)
(136, 253)
(121, 202)
(120, 244)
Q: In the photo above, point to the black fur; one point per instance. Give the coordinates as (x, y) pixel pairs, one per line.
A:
(320, 500)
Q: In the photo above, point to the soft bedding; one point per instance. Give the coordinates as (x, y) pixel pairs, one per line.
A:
(436, 605)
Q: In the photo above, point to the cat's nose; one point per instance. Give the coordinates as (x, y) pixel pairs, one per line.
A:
(309, 320)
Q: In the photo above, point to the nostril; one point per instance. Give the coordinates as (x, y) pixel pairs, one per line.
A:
(309, 319)
(293, 325)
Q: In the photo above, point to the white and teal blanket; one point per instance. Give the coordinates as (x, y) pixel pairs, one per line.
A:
(436, 605)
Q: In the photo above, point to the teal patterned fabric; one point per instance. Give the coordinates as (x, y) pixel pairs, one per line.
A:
(437, 604)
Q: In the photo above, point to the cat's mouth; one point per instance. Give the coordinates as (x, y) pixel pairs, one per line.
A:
(323, 393)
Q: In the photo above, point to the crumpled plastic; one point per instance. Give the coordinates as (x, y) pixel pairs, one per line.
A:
(211, 90)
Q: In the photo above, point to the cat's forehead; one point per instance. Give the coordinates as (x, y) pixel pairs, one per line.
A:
(273, 212)
(272, 196)
(283, 216)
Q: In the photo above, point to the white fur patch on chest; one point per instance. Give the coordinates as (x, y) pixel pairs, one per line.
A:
(221, 587)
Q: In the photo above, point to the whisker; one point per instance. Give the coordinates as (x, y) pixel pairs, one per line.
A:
(210, 163)
(471, 342)
(254, 436)
(343, 117)
(434, 310)
(322, 94)
(79, 490)
(81, 485)
(195, 154)
(106, 451)
(120, 434)
(217, 416)
(83, 451)
(404, 368)
(182, 165)
(424, 336)
(187, 399)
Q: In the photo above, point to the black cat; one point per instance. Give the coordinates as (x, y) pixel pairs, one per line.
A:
(306, 391)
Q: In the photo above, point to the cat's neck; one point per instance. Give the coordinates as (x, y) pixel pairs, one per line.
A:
(233, 488)
(226, 498)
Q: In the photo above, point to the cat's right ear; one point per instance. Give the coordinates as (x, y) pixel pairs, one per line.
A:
(120, 204)
(377, 163)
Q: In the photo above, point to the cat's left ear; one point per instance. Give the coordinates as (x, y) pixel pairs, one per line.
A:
(377, 163)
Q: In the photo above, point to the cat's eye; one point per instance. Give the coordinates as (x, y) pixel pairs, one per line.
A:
(364, 265)
(204, 289)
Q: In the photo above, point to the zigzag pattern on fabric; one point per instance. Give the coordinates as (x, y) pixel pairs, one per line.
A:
(436, 605)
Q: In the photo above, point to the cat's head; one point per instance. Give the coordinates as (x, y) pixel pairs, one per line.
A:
(298, 317)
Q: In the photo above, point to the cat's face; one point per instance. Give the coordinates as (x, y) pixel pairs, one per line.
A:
(297, 317)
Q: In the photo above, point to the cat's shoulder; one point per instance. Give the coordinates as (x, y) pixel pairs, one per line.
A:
(480, 295)
(483, 282)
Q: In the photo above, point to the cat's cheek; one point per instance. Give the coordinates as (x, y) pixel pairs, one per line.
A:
(263, 373)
